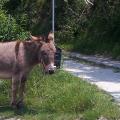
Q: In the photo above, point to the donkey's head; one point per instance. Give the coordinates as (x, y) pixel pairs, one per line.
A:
(46, 52)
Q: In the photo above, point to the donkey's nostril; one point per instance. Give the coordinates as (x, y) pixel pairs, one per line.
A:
(51, 71)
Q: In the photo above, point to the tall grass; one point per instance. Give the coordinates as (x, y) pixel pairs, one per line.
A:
(60, 97)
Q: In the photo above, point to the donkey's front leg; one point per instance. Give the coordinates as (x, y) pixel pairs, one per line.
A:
(21, 92)
(15, 82)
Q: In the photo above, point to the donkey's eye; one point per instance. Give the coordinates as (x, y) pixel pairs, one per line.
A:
(43, 52)
(45, 55)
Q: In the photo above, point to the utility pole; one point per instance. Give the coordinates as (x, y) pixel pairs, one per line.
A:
(53, 16)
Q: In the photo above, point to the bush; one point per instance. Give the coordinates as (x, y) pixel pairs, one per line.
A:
(116, 51)
(9, 30)
(96, 31)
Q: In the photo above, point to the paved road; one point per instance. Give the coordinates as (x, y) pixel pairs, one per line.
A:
(105, 78)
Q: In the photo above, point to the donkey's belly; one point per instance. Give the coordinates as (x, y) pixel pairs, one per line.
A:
(6, 67)
(5, 75)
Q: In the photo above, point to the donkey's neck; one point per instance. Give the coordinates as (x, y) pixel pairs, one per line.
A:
(31, 52)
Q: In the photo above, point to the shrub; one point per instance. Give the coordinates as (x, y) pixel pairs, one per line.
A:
(9, 29)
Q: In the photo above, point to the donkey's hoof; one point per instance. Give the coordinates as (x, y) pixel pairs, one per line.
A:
(20, 105)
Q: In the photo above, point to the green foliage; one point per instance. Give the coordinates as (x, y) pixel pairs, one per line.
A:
(9, 30)
(31, 15)
(60, 96)
(91, 29)
(88, 29)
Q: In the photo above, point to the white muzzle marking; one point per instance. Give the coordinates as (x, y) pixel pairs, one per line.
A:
(51, 66)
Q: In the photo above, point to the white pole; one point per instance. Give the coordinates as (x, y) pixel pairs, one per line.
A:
(53, 16)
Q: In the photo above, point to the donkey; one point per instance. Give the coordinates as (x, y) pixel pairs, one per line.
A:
(17, 59)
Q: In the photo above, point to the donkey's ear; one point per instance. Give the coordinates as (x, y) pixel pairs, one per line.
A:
(34, 38)
(50, 37)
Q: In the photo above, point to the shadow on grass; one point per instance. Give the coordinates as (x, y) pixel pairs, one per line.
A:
(21, 112)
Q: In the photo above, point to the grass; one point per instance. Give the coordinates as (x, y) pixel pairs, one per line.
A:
(59, 97)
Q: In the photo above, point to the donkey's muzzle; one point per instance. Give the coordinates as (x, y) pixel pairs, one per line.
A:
(51, 71)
